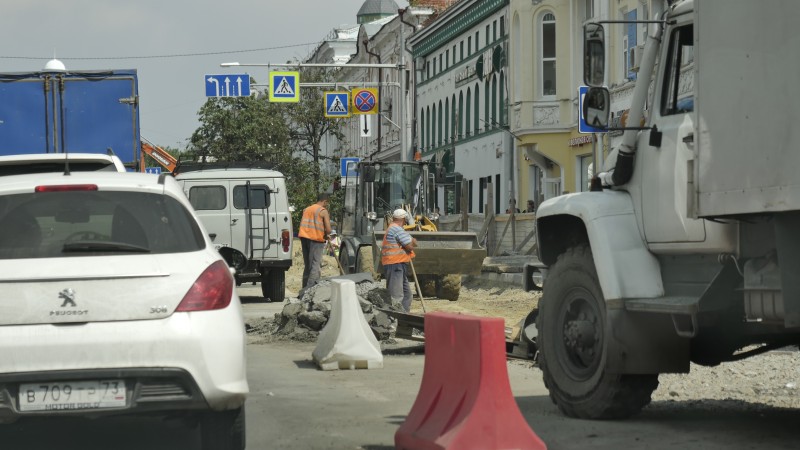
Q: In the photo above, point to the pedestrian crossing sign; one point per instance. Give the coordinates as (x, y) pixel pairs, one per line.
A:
(337, 104)
(284, 87)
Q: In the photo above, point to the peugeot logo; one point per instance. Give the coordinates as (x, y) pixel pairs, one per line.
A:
(69, 297)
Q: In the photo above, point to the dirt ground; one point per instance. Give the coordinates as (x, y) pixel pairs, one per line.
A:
(478, 297)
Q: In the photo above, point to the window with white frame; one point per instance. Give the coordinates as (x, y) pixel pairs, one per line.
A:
(629, 45)
(547, 66)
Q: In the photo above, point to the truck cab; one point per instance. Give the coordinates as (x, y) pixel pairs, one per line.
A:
(686, 251)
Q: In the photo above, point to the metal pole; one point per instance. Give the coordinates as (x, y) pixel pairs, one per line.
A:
(329, 65)
(403, 88)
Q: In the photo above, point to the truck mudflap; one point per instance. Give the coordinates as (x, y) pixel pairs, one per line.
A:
(440, 252)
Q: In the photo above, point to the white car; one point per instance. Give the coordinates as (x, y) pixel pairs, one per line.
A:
(59, 162)
(113, 301)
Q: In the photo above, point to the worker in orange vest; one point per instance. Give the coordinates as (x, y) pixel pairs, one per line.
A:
(396, 253)
(315, 228)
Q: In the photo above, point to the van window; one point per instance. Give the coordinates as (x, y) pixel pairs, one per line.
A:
(259, 197)
(204, 198)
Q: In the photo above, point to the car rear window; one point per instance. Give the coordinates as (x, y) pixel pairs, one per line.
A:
(87, 223)
(55, 166)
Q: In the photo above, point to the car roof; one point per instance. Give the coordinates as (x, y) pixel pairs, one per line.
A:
(132, 181)
(38, 158)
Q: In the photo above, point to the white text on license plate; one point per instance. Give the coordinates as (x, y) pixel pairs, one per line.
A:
(65, 395)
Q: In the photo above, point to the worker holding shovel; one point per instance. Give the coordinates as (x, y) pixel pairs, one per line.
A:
(397, 250)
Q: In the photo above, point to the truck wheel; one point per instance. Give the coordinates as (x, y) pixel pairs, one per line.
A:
(224, 430)
(343, 260)
(364, 262)
(573, 343)
(273, 285)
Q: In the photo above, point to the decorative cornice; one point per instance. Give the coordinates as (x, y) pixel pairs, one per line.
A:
(457, 26)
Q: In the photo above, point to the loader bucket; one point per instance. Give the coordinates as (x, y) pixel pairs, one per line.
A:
(440, 252)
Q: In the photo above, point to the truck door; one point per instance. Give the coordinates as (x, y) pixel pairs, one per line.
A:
(210, 200)
(666, 195)
(252, 221)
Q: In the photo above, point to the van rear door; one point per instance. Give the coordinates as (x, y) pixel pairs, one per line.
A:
(211, 200)
(253, 218)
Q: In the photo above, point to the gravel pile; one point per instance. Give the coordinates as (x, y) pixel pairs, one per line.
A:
(771, 379)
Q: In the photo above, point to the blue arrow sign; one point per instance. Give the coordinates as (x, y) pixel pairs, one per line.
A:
(228, 85)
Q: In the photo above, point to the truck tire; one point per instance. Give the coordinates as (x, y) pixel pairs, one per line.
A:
(364, 262)
(223, 430)
(273, 285)
(343, 260)
(572, 341)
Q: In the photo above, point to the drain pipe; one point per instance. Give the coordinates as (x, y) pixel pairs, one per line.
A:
(623, 169)
(380, 96)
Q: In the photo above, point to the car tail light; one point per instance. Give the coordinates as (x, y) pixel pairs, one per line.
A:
(212, 290)
(285, 240)
(66, 187)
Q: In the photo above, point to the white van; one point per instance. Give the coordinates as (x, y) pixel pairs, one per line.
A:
(252, 232)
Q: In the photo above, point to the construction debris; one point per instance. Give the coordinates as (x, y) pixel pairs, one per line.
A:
(302, 318)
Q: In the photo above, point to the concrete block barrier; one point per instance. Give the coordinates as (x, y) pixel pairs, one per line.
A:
(465, 400)
(347, 341)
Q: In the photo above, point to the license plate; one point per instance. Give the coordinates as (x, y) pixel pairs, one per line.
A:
(68, 395)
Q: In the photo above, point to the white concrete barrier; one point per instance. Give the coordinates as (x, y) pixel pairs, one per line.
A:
(346, 341)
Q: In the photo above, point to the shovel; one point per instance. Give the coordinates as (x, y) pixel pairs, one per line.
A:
(416, 283)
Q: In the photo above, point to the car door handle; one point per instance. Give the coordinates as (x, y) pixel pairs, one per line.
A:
(233, 221)
(688, 139)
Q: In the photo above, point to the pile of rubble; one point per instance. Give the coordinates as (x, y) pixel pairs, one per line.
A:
(303, 318)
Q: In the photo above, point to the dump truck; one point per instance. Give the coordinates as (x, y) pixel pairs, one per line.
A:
(372, 192)
(687, 250)
(70, 111)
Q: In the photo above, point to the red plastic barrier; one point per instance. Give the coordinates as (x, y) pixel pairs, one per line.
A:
(465, 399)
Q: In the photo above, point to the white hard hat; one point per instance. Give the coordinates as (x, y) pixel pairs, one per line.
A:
(400, 214)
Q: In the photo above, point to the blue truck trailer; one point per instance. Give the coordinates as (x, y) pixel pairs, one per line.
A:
(58, 111)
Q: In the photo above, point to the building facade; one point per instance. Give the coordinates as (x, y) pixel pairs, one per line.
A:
(461, 112)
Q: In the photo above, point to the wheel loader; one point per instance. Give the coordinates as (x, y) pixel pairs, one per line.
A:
(372, 194)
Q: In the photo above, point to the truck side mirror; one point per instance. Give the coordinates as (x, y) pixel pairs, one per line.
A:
(596, 107)
(368, 172)
(594, 54)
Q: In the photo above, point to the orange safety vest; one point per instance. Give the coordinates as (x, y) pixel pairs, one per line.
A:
(311, 226)
(393, 253)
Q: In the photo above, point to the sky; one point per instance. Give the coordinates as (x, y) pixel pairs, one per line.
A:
(150, 36)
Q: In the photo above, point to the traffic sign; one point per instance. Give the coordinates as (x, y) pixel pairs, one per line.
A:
(228, 85)
(284, 87)
(583, 127)
(337, 104)
(348, 166)
(364, 125)
(365, 101)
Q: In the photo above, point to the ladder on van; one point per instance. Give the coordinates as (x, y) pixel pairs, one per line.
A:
(252, 229)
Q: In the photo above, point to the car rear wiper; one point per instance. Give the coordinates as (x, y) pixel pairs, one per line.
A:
(95, 246)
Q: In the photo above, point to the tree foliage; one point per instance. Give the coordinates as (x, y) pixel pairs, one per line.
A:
(287, 136)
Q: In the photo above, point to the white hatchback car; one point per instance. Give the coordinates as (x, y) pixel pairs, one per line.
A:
(112, 301)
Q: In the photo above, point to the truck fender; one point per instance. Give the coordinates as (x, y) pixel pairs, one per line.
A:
(606, 220)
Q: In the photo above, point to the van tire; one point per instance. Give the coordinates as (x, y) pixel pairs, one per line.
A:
(273, 285)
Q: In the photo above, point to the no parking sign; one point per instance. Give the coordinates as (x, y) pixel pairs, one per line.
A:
(365, 101)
